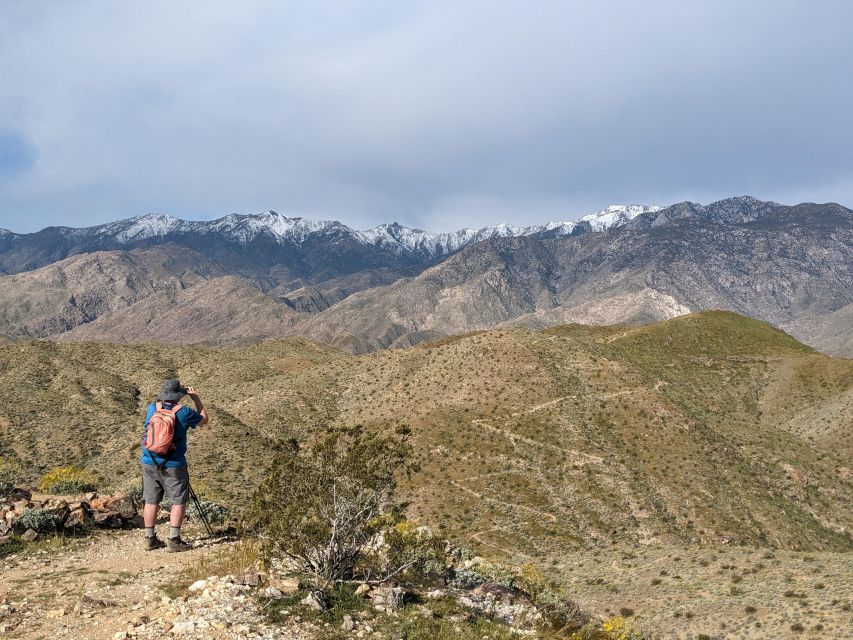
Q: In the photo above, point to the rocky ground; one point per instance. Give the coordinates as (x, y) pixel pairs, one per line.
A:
(107, 587)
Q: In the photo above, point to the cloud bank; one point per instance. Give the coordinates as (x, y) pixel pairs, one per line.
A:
(438, 115)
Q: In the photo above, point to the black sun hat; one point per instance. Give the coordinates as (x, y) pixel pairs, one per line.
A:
(172, 391)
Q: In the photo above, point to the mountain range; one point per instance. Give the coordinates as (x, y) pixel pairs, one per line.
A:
(243, 278)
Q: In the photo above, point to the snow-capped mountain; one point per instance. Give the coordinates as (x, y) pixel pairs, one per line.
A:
(245, 228)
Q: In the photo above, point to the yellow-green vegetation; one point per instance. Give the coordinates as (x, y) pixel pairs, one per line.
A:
(64, 480)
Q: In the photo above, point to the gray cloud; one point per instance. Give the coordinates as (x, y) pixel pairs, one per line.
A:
(438, 115)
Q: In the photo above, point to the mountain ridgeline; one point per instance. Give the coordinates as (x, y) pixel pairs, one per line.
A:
(243, 278)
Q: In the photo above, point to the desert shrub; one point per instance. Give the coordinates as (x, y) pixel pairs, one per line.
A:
(215, 512)
(11, 475)
(416, 549)
(61, 480)
(326, 505)
(465, 579)
(134, 492)
(39, 520)
(610, 629)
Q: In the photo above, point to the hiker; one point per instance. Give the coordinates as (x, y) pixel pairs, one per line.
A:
(164, 462)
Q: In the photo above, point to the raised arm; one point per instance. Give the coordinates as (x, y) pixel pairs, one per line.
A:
(198, 405)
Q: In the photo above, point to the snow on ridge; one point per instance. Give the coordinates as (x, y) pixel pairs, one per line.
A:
(147, 226)
(617, 215)
(400, 239)
(244, 228)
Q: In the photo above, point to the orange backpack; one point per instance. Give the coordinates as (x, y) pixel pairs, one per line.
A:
(160, 434)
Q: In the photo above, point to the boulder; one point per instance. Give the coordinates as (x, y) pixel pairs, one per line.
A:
(98, 504)
(56, 506)
(313, 601)
(77, 519)
(284, 584)
(108, 520)
(505, 604)
(30, 535)
(121, 504)
(387, 597)
(22, 505)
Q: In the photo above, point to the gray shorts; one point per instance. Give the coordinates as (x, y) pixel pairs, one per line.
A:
(174, 481)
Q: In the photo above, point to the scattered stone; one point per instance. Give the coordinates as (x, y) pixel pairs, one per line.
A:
(252, 579)
(348, 624)
(198, 585)
(30, 535)
(287, 586)
(273, 594)
(387, 597)
(509, 606)
(313, 601)
(86, 599)
(362, 589)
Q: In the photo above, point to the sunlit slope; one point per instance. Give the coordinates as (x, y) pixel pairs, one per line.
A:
(708, 428)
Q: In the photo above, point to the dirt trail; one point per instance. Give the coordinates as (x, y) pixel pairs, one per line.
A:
(94, 588)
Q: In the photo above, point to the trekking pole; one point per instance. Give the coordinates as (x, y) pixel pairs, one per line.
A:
(201, 514)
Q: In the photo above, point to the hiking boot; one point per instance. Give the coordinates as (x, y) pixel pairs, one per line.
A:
(176, 544)
(153, 543)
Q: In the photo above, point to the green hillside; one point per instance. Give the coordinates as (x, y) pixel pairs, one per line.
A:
(707, 428)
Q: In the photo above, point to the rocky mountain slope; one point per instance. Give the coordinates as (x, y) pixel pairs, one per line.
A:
(56, 298)
(710, 427)
(278, 235)
(392, 286)
(791, 266)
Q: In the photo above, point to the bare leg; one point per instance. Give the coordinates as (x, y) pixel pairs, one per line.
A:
(149, 514)
(176, 517)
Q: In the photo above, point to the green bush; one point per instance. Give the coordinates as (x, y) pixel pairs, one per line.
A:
(62, 480)
(323, 505)
(215, 512)
(39, 520)
(11, 476)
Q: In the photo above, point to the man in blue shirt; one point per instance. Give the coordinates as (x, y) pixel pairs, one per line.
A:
(168, 474)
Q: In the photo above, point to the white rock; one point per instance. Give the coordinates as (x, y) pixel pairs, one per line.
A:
(198, 585)
(272, 592)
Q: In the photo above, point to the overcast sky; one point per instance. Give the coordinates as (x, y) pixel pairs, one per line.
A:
(435, 114)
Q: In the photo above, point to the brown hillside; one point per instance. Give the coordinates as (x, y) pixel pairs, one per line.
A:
(697, 429)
